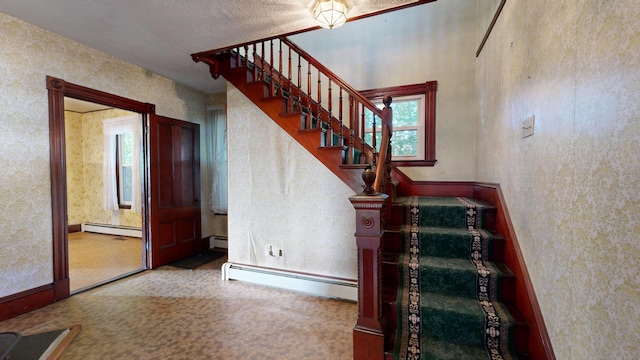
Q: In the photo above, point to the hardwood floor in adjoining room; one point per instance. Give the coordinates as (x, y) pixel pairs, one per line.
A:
(96, 258)
(172, 313)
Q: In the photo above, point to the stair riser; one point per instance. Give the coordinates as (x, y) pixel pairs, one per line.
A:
(454, 327)
(448, 245)
(448, 282)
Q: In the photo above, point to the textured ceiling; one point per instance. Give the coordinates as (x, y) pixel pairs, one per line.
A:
(160, 35)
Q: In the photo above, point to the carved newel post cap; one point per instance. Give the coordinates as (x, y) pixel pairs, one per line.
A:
(369, 177)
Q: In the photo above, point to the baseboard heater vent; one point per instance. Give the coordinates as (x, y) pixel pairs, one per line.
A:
(311, 284)
(218, 242)
(112, 229)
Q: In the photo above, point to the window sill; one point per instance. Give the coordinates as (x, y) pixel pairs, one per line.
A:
(413, 163)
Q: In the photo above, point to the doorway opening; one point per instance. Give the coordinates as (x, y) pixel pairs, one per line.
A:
(103, 150)
(58, 90)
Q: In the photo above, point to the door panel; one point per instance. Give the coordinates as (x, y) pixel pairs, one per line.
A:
(175, 190)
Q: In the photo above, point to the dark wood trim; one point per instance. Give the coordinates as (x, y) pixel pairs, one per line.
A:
(368, 333)
(197, 57)
(539, 345)
(25, 301)
(493, 22)
(58, 89)
(412, 163)
(56, 92)
(406, 186)
(74, 228)
(428, 89)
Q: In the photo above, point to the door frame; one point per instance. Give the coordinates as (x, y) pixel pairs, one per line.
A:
(57, 90)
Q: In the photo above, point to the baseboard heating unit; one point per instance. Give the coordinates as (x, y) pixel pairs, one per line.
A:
(310, 284)
(218, 242)
(112, 229)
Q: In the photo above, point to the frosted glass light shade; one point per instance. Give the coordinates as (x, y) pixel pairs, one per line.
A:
(330, 13)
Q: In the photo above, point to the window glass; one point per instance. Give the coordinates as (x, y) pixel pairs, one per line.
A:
(124, 163)
(408, 129)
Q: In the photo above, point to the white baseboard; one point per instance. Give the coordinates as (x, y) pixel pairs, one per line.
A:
(218, 242)
(310, 284)
(112, 230)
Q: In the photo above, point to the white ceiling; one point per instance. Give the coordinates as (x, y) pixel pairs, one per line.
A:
(161, 35)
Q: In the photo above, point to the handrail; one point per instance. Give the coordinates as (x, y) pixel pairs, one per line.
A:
(382, 160)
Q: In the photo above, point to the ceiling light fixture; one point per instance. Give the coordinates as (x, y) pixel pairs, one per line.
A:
(330, 13)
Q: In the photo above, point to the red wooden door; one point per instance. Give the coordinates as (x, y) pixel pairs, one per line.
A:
(174, 165)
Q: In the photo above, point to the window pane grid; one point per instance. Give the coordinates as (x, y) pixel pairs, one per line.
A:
(125, 169)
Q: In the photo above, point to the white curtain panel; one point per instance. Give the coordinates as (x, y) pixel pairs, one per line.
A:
(111, 128)
(216, 139)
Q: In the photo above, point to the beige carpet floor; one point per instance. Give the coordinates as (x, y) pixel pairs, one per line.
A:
(171, 313)
(96, 258)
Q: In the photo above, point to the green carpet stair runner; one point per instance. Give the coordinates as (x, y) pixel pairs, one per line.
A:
(448, 300)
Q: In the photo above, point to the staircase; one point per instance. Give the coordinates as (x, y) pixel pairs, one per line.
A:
(313, 105)
(327, 117)
(449, 247)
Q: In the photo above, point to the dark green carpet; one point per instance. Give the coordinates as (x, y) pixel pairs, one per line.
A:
(448, 301)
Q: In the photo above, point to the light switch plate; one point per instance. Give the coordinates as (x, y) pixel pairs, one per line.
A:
(527, 126)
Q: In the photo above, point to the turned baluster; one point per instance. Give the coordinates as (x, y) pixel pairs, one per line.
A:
(272, 82)
(353, 120)
(319, 105)
(255, 62)
(341, 136)
(330, 119)
(289, 73)
(310, 113)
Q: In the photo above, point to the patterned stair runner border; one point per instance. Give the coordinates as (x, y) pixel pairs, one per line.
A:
(496, 329)
(410, 345)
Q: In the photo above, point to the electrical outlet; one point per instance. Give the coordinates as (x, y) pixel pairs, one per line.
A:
(527, 126)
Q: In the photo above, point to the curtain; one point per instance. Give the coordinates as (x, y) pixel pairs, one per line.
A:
(216, 139)
(111, 128)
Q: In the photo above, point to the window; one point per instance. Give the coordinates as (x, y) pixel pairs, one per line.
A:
(124, 169)
(121, 170)
(408, 128)
(414, 119)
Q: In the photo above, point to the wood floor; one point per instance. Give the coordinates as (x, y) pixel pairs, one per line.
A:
(97, 258)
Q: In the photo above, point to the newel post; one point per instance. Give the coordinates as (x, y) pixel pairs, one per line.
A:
(368, 333)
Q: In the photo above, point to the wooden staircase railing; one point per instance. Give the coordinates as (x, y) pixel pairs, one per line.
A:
(324, 101)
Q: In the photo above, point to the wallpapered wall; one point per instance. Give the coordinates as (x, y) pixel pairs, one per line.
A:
(29, 54)
(573, 188)
(436, 41)
(279, 194)
(85, 154)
